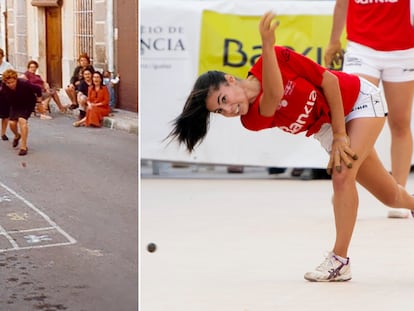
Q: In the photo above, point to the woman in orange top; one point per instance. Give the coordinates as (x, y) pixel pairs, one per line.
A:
(98, 103)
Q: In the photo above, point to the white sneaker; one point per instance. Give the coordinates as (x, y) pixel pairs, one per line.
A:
(399, 213)
(331, 270)
(45, 117)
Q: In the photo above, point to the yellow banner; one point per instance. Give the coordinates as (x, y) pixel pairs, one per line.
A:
(231, 43)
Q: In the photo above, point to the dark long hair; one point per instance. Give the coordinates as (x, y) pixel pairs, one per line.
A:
(191, 126)
(100, 75)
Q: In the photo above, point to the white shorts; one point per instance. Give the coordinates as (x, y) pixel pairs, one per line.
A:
(389, 66)
(369, 104)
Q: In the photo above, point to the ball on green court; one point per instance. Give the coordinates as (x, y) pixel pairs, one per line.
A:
(151, 247)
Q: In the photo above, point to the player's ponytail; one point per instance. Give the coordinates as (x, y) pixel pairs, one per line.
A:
(191, 126)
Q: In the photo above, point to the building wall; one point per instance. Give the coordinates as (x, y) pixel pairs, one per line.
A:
(127, 53)
(100, 49)
(69, 58)
(3, 14)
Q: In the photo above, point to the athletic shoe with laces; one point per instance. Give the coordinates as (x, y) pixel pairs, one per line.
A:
(330, 270)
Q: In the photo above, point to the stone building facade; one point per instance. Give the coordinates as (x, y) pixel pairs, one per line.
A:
(55, 32)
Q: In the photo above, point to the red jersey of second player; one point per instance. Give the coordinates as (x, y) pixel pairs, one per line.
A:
(303, 107)
(383, 25)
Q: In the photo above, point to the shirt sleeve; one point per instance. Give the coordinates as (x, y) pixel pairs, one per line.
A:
(115, 80)
(292, 63)
(36, 89)
(301, 65)
(254, 121)
(75, 75)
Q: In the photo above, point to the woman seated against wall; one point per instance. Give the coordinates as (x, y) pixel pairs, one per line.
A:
(73, 86)
(47, 92)
(97, 103)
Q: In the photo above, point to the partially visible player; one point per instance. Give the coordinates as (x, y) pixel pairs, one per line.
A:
(381, 49)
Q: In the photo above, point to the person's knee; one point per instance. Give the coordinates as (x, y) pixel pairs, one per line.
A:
(70, 90)
(400, 129)
(82, 100)
(343, 180)
(22, 121)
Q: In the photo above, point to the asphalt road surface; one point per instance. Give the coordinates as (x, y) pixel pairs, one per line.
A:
(69, 219)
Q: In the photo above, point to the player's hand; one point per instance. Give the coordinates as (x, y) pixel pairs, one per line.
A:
(267, 27)
(341, 152)
(333, 55)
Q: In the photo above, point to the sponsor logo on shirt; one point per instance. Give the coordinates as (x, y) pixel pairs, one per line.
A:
(300, 122)
(374, 1)
(290, 85)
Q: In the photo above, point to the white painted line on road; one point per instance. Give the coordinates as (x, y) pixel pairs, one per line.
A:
(53, 226)
(8, 237)
(32, 247)
(31, 230)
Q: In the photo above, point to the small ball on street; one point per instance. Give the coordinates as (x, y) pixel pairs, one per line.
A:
(152, 247)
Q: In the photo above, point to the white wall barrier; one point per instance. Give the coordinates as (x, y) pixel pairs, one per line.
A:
(172, 40)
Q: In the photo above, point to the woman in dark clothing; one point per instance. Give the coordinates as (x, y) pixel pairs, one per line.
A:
(21, 96)
(48, 93)
(83, 88)
(84, 61)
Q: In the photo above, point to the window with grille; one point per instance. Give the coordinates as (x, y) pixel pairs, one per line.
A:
(84, 27)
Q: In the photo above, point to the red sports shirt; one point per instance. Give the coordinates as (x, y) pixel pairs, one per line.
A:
(383, 25)
(303, 106)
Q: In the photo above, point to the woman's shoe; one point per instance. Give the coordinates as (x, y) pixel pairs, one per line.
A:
(16, 141)
(73, 106)
(77, 124)
(23, 152)
(4, 137)
(45, 117)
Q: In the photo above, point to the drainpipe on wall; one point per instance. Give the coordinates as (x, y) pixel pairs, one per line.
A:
(110, 27)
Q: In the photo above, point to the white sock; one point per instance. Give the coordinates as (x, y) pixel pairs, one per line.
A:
(342, 259)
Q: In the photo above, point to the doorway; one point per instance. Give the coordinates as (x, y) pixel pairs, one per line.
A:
(54, 46)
